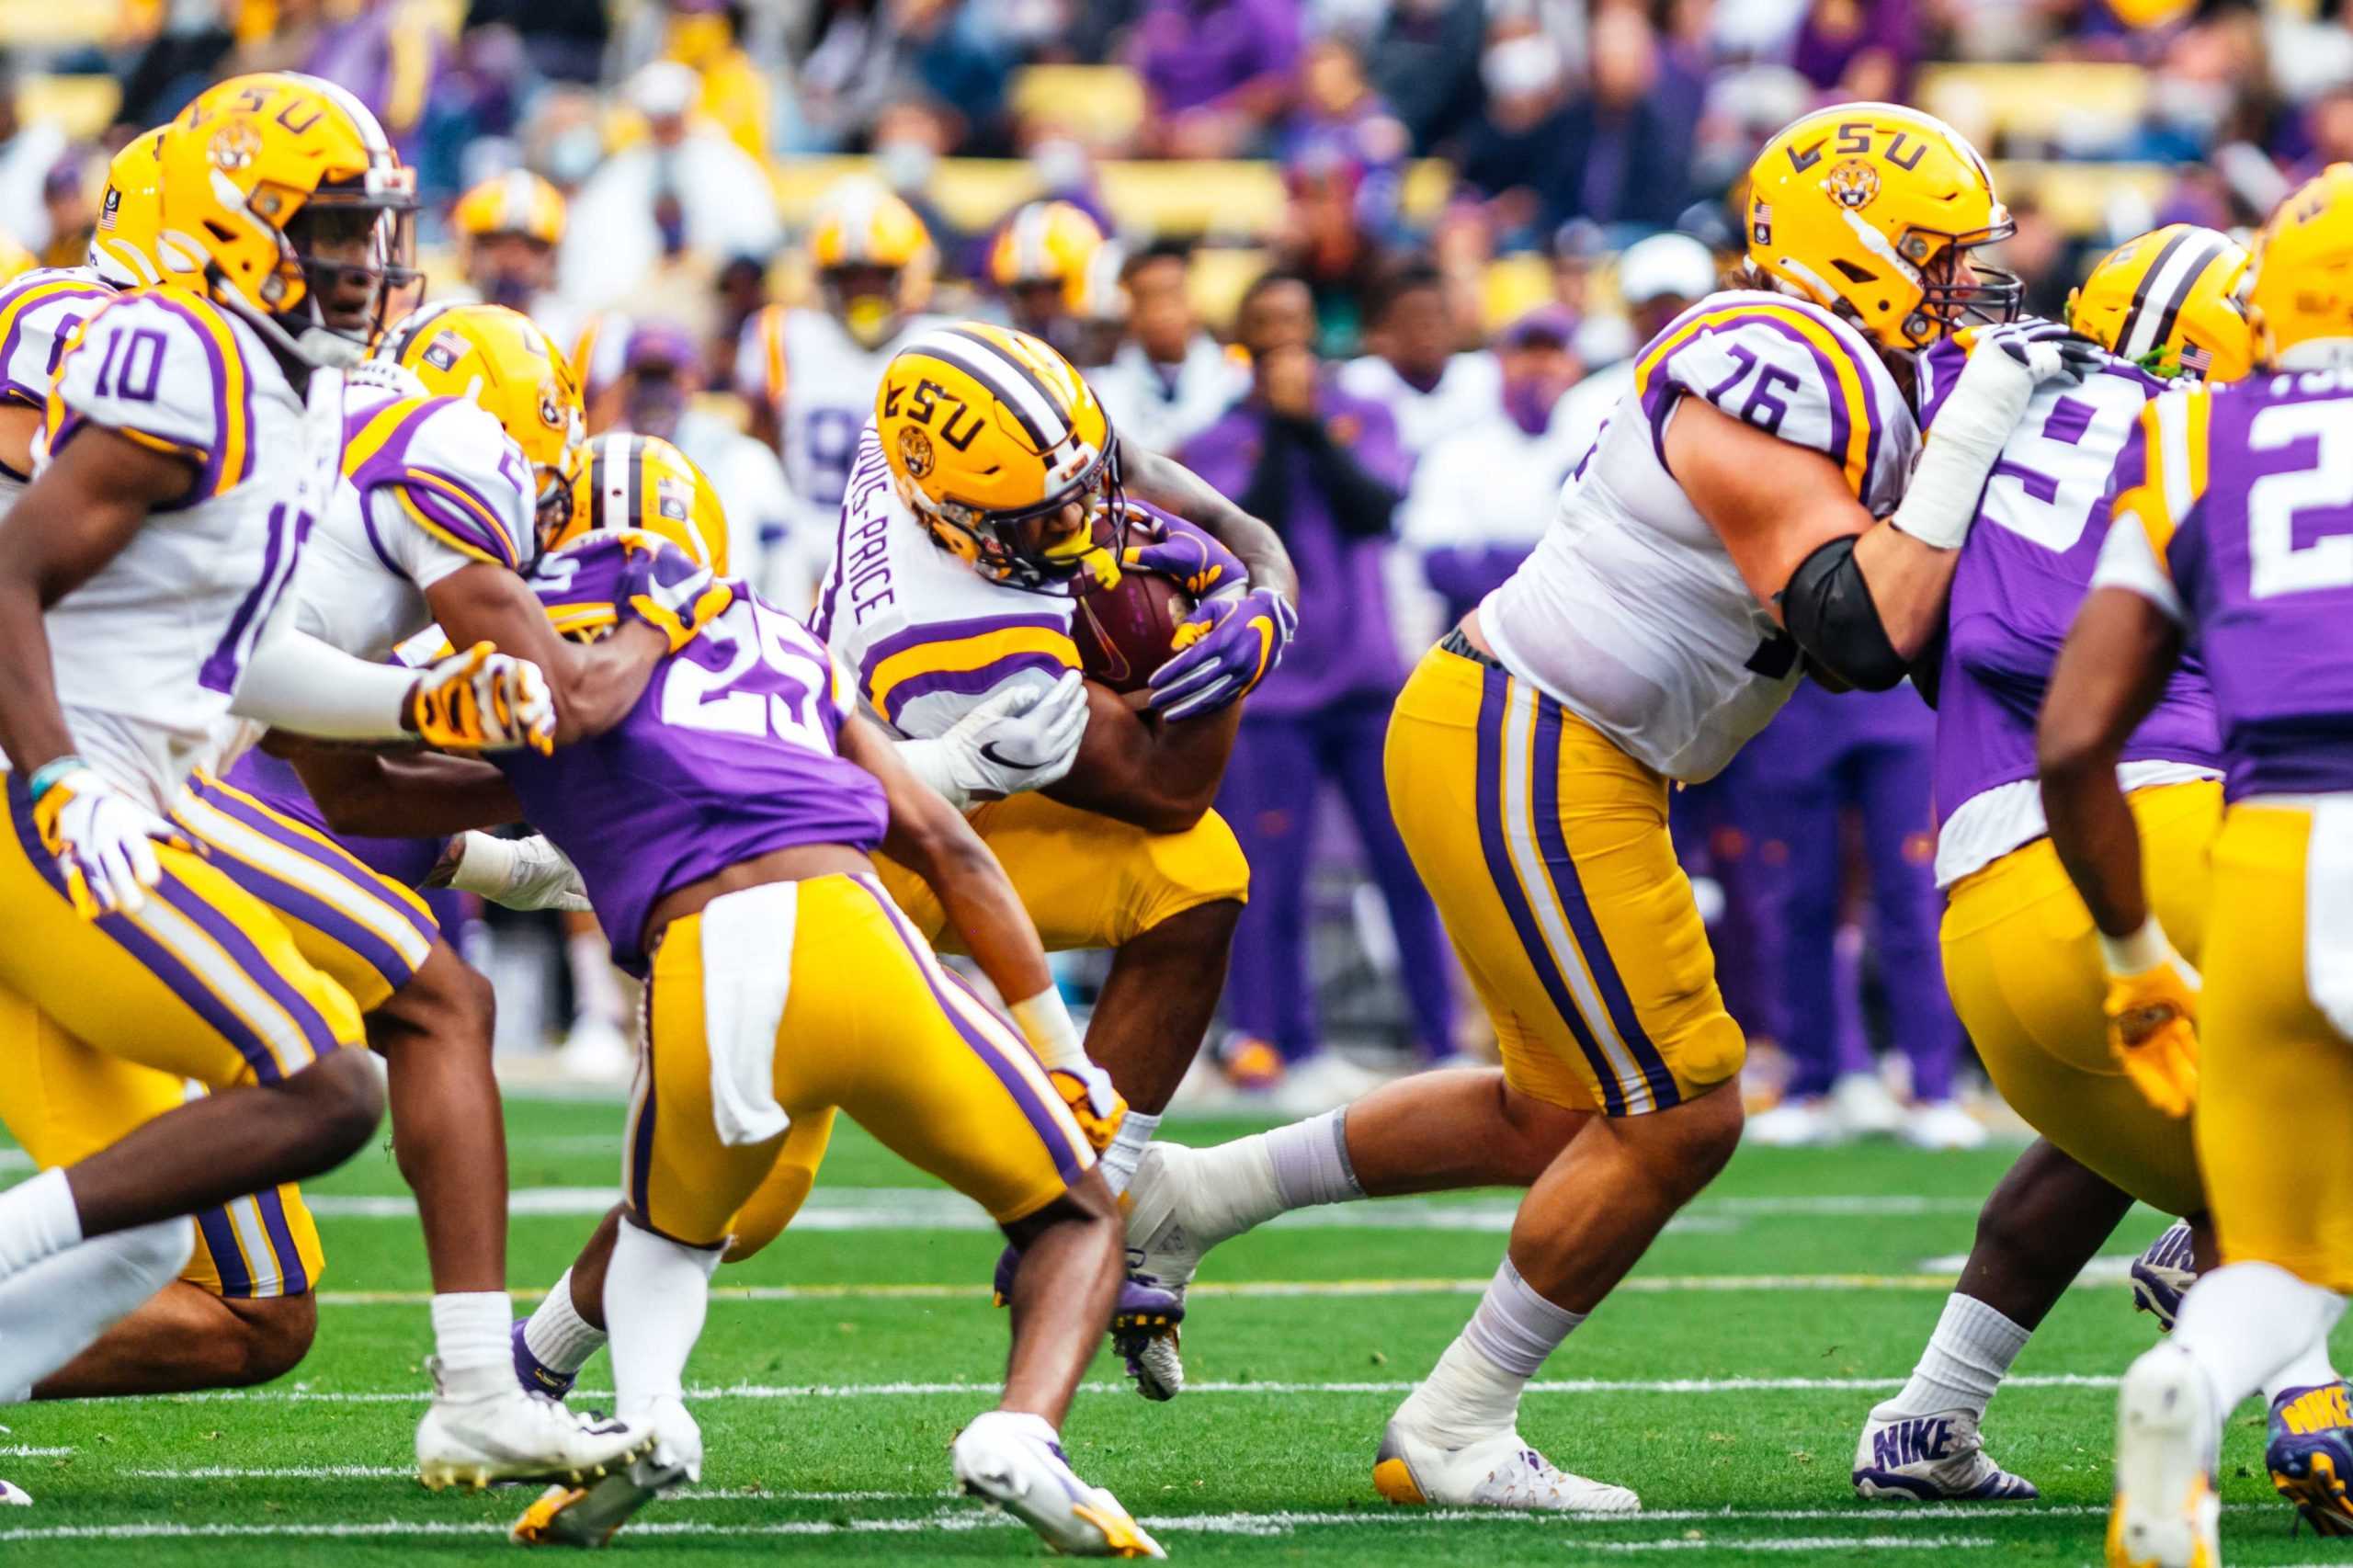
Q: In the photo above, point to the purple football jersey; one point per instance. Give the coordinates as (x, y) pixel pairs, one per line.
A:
(730, 754)
(2022, 576)
(2263, 561)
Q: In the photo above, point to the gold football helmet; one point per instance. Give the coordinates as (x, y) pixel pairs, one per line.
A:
(517, 202)
(2300, 283)
(125, 246)
(291, 206)
(500, 360)
(1046, 242)
(872, 254)
(1871, 209)
(645, 482)
(998, 445)
(2169, 303)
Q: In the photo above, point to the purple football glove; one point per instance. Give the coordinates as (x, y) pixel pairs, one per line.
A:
(668, 589)
(1225, 648)
(1187, 556)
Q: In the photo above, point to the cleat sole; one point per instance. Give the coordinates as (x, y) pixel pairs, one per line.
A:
(1393, 1479)
(587, 1516)
(2318, 1493)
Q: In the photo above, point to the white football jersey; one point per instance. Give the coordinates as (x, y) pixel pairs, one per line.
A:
(1630, 612)
(40, 313)
(1161, 407)
(820, 382)
(148, 652)
(926, 636)
(428, 485)
(1469, 390)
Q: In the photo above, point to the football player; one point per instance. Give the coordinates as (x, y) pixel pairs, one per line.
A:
(1720, 540)
(147, 620)
(509, 227)
(810, 375)
(781, 982)
(978, 489)
(2021, 956)
(2227, 533)
(1039, 264)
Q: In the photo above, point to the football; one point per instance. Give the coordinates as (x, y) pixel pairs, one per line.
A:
(1124, 633)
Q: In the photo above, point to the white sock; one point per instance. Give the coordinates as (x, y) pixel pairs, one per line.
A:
(1246, 1183)
(557, 1335)
(1475, 1390)
(38, 1219)
(1964, 1362)
(51, 1311)
(1119, 1161)
(656, 1293)
(2243, 1322)
(473, 1337)
(595, 992)
(2311, 1368)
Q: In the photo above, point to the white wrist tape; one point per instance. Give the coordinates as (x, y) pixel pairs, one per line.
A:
(1941, 501)
(929, 761)
(1046, 1023)
(520, 873)
(2141, 950)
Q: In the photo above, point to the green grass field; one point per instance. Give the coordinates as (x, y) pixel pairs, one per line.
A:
(1725, 1382)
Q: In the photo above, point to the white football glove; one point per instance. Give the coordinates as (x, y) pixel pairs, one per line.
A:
(517, 873)
(1023, 738)
(105, 842)
(383, 375)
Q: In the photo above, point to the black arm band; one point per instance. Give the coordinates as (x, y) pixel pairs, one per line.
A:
(1827, 608)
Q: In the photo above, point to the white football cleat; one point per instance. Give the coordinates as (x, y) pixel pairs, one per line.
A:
(1795, 1124)
(1864, 1107)
(1941, 1125)
(14, 1497)
(2167, 1432)
(1938, 1458)
(588, 1516)
(1501, 1471)
(1015, 1462)
(505, 1434)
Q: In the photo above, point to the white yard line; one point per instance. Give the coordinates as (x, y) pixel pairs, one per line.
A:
(301, 1395)
(1639, 1284)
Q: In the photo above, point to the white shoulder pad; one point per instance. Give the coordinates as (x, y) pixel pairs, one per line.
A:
(40, 313)
(447, 468)
(167, 370)
(1786, 366)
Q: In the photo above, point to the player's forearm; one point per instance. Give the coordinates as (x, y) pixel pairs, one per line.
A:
(424, 795)
(2092, 828)
(1150, 773)
(1173, 487)
(1910, 582)
(296, 683)
(596, 686)
(980, 903)
(32, 725)
(2110, 674)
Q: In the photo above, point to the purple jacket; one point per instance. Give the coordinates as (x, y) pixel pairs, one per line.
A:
(1192, 52)
(1344, 647)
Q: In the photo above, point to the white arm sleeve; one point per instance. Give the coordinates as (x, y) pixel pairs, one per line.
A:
(295, 682)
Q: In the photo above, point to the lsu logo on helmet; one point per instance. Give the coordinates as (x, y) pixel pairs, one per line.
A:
(990, 434)
(1871, 209)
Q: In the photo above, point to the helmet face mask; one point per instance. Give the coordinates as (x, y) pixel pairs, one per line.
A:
(867, 298)
(1871, 210)
(1043, 549)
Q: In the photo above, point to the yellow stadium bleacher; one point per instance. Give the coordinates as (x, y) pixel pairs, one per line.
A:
(81, 105)
(56, 24)
(1100, 105)
(2041, 101)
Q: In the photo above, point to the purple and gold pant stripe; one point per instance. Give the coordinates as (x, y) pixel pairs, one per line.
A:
(1522, 836)
(310, 879)
(995, 1044)
(253, 1248)
(205, 959)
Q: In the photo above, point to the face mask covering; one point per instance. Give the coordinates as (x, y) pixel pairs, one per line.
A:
(1529, 403)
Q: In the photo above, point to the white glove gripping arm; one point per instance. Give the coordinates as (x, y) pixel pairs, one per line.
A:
(295, 682)
(518, 873)
(1022, 738)
(1987, 402)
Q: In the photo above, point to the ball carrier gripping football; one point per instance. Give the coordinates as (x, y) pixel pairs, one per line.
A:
(987, 488)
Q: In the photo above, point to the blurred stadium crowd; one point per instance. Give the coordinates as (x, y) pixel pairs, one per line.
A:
(1373, 267)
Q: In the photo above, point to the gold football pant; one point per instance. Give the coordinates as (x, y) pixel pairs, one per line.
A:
(870, 1022)
(2023, 965)
(1088, 880)
(2275, 1102)
(1546, 849)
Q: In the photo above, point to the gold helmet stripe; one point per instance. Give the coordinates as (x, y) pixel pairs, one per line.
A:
(2165, 288)
(855, 216)
(1011, 381)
